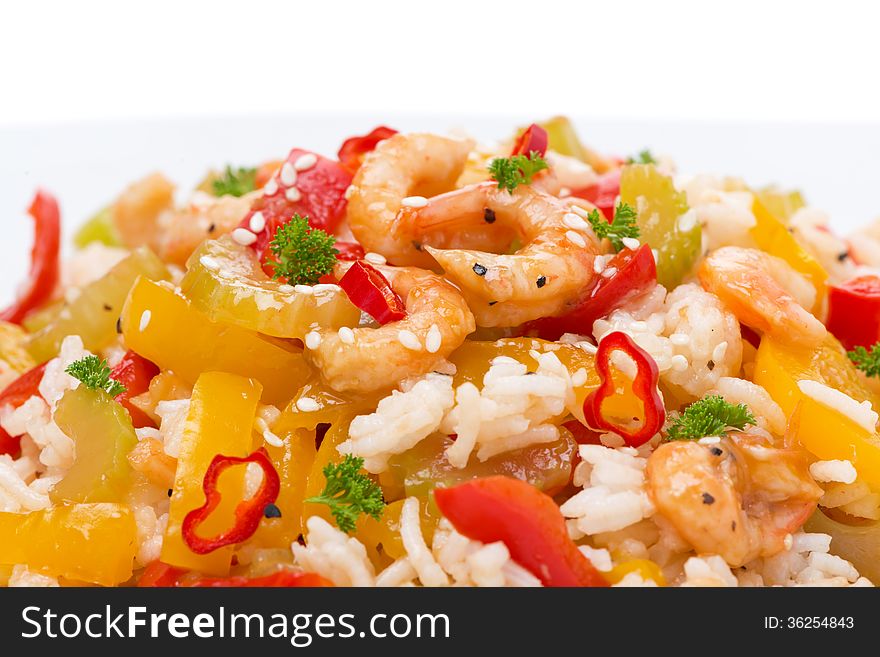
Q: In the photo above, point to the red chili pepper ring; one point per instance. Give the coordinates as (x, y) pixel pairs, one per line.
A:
(248, 513)
(644, 386)
(370, 291)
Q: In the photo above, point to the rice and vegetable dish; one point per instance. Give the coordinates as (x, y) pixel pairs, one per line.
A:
(426, 361)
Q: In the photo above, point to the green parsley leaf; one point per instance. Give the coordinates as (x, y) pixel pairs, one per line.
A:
(623, 225)
(94, 373)
(511, 172)
(349, 493)
(710, 416)
(235, 182)
(644, 157)
(302, 254)
(867, 361)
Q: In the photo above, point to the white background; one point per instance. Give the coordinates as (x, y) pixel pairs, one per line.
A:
(769, 90)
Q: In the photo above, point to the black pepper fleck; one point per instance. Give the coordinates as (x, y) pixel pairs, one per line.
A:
(492, 303)
(212, 228)
(417, 246)
(108, 307)
(479, 269)
(716, 451)
(542, 281)
(843, 255)
(708, 499)
(733, 525)
(271, 511)
(711, 365)
(489, 216)
(527, 373)
(170, 492)
(119, 325)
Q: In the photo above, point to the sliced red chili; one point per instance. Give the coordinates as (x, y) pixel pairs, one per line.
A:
(603, 193)
(582, 435)
(635, 274)
(370, 291)
(349, 251)
(532, 140)
(644, 386)
(248, 513)
(43, 276)
(351, 153)
(14, 395)
(135, 373)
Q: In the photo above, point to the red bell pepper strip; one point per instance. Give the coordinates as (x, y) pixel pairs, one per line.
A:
(351, 153)
(14, 395)
(854, 311)
(636, 273)
(526, 520)
(135, 373)
(603, 193)
(248, 513)
(317, 193)
(370, 291)
(644, 386)
(161, 575)
(532, 140)
(349, 251)
(43, 276)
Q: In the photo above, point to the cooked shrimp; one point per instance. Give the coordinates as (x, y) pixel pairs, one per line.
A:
(466, 229)
(367, 359)
(737, 498)
(183, 229)
(136, 212)
(404, 166)
(764, 292)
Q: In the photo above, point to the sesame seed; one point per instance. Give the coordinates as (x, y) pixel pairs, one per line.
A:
(579, 378)
(609, 272)
(271, 188)
(313, 340)
(346, 335)
(209, 263)
(257, 222)
(414, 202)
(433, 340)
(564, 192)
(631, 242)
(243, 236)
(145, 320)
(375, 258)
(574, 221)
(719, 351)
(479, 269)
(307, 405)
(679, 363)
(351, 189)
(288, 175)
(680, 339)
(292, 194)
(599, 264)
(303, 289)
(575, 239)
(305, 162)
(409, 340)
(287, 289)
(579, 210)
(710, 440)
(272, 439)
(541, 282)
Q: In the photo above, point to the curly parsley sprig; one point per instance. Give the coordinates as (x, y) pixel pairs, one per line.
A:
(235, 182)
(622, 226)
(511, 172)
(349, 493)
(94, 373)
(302, 254)
(868, 361)
(710, 416)
(644, 157)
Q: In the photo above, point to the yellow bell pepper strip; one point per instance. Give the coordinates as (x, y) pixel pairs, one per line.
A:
(13, 348)
(822, 430)
(99, 229)
(93, 314)
(316, 403)
(220, 421)
(647, 570)
(780, 203)
(162, 326)
(859, 544)
(248, 513)
(103, 436)
(92, 543)
(772, 236)
(225, 281)
(293, 461)
(663, 220)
